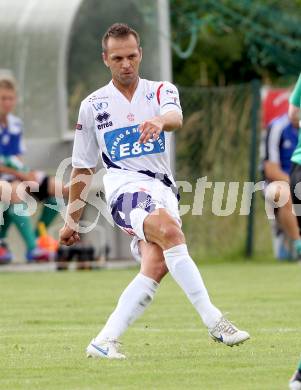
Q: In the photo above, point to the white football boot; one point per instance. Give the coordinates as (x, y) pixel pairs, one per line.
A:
(295, 382)
(225, 332)
(107, 349)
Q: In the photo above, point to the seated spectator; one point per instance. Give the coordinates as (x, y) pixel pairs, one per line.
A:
(278, 145)
(12, 169)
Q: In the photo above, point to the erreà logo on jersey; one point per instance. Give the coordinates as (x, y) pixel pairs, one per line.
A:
(103, 119)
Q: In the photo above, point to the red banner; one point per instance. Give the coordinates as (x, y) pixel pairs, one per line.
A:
(274, 103)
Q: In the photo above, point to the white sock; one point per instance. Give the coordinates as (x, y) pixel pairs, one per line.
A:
(186, 274)
(133, 301)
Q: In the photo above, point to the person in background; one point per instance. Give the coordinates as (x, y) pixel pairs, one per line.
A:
(295, 179)
(295, 173)
(13, 169)
(278, 146)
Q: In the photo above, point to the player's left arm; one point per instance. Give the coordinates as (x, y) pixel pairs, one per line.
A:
(171, 120)
(170, 116)
(152, 128)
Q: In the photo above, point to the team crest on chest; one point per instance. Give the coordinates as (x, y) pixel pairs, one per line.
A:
(131, 117)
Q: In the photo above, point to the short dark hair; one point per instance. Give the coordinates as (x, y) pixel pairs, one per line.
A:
(8, 83)
(119, 30)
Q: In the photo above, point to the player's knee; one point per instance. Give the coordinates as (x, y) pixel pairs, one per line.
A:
(278, 193)
(171, 235)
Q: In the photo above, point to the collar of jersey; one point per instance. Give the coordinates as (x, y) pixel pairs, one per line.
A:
(119, 93)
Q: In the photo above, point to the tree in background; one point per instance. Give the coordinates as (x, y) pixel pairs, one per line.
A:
(234, 41)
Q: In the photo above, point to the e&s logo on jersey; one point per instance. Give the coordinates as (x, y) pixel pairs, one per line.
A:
(123, 143)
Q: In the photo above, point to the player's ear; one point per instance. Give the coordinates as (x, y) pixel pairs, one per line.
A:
(105, 58)
(140, 51)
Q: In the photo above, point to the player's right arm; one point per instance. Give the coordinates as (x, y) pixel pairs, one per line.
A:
(84, 160)
(78, 192)
(295, 104)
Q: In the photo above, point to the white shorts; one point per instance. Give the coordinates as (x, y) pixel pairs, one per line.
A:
(135, 201)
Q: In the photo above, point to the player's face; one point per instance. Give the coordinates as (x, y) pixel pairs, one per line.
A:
(8, 100)
(123, 57)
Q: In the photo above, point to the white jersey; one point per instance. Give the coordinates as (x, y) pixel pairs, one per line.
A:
(108, 126)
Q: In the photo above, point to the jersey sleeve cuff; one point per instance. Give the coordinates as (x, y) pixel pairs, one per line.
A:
(168, 107)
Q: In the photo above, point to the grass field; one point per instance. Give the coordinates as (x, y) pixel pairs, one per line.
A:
(47, 319)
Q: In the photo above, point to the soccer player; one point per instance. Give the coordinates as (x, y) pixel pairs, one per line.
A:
(278, 146)
(13, 169)
(295, 177)
(129, 121)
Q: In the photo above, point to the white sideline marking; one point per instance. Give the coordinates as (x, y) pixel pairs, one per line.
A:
(203, 329)
(280, 330)
(168, 329)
